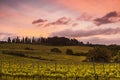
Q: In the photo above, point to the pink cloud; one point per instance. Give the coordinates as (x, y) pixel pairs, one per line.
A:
(94, 7)
(39, 21)
(60, 21)
(75, 24)
(110, 17)
(20, 17)
(4, 36)
(85, 17)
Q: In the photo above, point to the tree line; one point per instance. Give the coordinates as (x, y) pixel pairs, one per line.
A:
(55, 41)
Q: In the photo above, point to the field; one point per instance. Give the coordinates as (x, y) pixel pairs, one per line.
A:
(44, 52)
(41, 64)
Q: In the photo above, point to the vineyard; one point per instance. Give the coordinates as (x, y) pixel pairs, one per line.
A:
(41, 64)
(61, 71)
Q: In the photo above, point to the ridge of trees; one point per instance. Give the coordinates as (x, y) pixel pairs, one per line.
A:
(55, 41)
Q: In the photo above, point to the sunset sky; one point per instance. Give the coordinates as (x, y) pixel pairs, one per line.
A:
(96, 21)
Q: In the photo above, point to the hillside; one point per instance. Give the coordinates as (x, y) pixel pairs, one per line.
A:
(41, 52)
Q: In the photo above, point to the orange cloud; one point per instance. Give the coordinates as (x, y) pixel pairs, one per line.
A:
(23, 31)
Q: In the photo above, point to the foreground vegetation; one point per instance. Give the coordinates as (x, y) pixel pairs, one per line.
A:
(63, 70)
(55, 61)
(17, 66)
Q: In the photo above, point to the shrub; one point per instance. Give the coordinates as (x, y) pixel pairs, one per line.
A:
(99, 54)
(27, 48)
(117, 57)
(69, 52)
(81, 54)
(56, 50)
(15, 53)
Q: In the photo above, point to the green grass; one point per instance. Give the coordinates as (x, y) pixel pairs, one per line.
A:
(44, 52)
(43, 48)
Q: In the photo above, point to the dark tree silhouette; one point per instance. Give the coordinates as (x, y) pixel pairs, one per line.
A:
(74, 42)
(23, 40)
(57, 41)
(54, 41)
(33, 40)
(17, 40)
(27, 40)
(43, 40)
(13, 40)
(9, 40)
(100, 54)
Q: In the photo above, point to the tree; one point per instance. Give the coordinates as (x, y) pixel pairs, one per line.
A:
(27, 40)
(23, 40)
(117, 57)
(38, 41)
(99, 54)
(114, 49)
(74, 42)
(69, 52)
(9, 40)
(60, 41)
(33, 40)
(17, 40)
(13, 40)
(56, 50)
(43, 40)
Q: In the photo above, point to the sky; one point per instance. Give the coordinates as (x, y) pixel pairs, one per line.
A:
(96, 21)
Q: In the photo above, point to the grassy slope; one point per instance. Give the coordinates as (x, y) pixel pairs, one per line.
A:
(44, 52)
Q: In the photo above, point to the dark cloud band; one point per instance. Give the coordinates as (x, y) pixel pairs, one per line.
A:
(86, 33)
(39, 21)
(111, 17)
